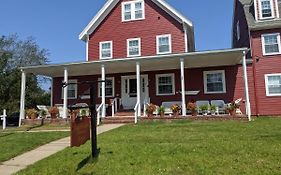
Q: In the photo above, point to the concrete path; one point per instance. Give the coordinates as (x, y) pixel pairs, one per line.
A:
(22, 161)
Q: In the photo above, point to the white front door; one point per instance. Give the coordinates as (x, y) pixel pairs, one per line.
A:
(129, 91)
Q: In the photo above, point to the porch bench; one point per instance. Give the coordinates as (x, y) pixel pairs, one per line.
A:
(167, 105)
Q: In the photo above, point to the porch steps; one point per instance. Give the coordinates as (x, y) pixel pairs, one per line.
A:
(119, 119)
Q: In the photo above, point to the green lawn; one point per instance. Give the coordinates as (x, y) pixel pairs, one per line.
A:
(177, 148)
(16, 143)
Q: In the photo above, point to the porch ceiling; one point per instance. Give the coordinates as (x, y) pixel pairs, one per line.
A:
(149, 63)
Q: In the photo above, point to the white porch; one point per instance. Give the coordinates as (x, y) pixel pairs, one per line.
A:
(182, 61)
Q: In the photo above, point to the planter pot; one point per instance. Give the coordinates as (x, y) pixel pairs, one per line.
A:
(176, 114)
(194, 113)
(162, 114)
(213, 113)
(33, 116)
(54, 115)
(232, 112)
(205, 113)
(149, 115)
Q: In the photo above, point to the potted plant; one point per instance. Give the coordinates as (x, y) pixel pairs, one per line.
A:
(54, 112)
(42, 114)
(161, 111)
(204, 109)
(192, 107)
(150, 109)
(213, 109)
(176, 110)
(231, 108)
(32, 113)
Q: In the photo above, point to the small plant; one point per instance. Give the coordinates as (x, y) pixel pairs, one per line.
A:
(150, 109)
(175, 108)
(161, 111)
(192, 107)
(32, 113)
(54, 111)
(42, 113)
(83, 112)
(231, 108)
(204, 109)
(213, 109)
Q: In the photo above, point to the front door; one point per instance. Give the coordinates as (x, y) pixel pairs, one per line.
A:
(129, 91)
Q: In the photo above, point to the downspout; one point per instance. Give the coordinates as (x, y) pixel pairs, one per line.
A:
(254, 76)
(185, 37)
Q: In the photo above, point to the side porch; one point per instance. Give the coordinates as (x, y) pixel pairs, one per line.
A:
(132, 83)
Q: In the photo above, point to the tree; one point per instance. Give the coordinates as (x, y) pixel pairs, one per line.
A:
(19, 53)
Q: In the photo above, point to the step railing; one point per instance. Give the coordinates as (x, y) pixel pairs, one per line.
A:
(114, 107)
(98, 113)
(3, 117)
(136, 111)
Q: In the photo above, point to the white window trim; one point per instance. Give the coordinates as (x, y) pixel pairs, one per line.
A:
(272, 10)
(170, 43)
(111, 49)
(238, 32)
(223, 81)
(133, 10)
(263, 44)
(266, 85)
(113, 87)
(76, 89)
(157, 76)
(128, 50)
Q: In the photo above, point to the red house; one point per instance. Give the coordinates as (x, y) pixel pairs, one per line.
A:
(257, 25)
(145, 51)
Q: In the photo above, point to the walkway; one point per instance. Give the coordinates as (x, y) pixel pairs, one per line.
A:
(22, 161)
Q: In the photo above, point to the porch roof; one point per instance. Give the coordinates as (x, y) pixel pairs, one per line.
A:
(213, 58)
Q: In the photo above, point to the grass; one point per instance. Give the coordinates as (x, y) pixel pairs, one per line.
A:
(16, 143)
(177, 148)
(36, 128)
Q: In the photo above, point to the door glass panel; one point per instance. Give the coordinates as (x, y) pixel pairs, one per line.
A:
(133, 87)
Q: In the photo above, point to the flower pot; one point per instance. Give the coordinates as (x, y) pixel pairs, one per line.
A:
(232, 112)
(194, 113)
(162, 114)
(205, 113)
(33, 116)
(150, 115)
(176, 114)
(53, 115)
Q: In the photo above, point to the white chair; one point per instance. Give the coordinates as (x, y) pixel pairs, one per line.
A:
(202, 103)
(220, 104)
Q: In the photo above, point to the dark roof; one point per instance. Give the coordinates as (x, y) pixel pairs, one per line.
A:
(248, 6)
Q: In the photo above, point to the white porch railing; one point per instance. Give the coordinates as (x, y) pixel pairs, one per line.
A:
(114, 106)
(136, 112)
(98, 113)
(3, 117)
(145, 103)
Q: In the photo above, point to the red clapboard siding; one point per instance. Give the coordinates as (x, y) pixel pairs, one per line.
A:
(156, 22)
(265, 65)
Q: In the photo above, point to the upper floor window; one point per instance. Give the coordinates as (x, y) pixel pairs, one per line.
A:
(214, 82)
(266, 9)
(271, 44)
(164, 44)
(134, 47)
(273, 84)
(105, 49)
(133, 10)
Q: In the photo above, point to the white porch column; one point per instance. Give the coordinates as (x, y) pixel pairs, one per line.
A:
(22, 96)
(103, 91)
(183, 88)
(247, 98)
(65, 96)
(138, 88)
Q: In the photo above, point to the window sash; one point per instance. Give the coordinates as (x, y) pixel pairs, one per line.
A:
(165, 84)
(214, 82)
(271, 43)
(109, 87)
(266, 8)
(106, 49)
(164, 44)
(71, 90)
(133, 10)
(274, 84)
(133, 47)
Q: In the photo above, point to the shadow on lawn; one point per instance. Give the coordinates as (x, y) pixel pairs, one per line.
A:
(88, 160)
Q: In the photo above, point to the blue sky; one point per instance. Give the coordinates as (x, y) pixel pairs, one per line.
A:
(56, 24)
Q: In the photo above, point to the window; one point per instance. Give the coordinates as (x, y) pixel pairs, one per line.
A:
(71, 90)
(214, 82)
(271, 44)
(133, 10)
(238, 31)
(164, 44)
(134, 47)
(105, 49)
(109, 87)
(273, 84)
(165, 84)
(266, 9)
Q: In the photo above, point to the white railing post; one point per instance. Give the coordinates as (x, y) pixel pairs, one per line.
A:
(183, 88)
(98, 114)
(136, 112)
(22, 96)
(65, 95)
(144, 108)
(116, 107)
(103, 91)
(138, 88)
(3, 117)
(247, 98)
(112, 108)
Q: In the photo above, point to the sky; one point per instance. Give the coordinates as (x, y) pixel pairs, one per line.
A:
(56, 24)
